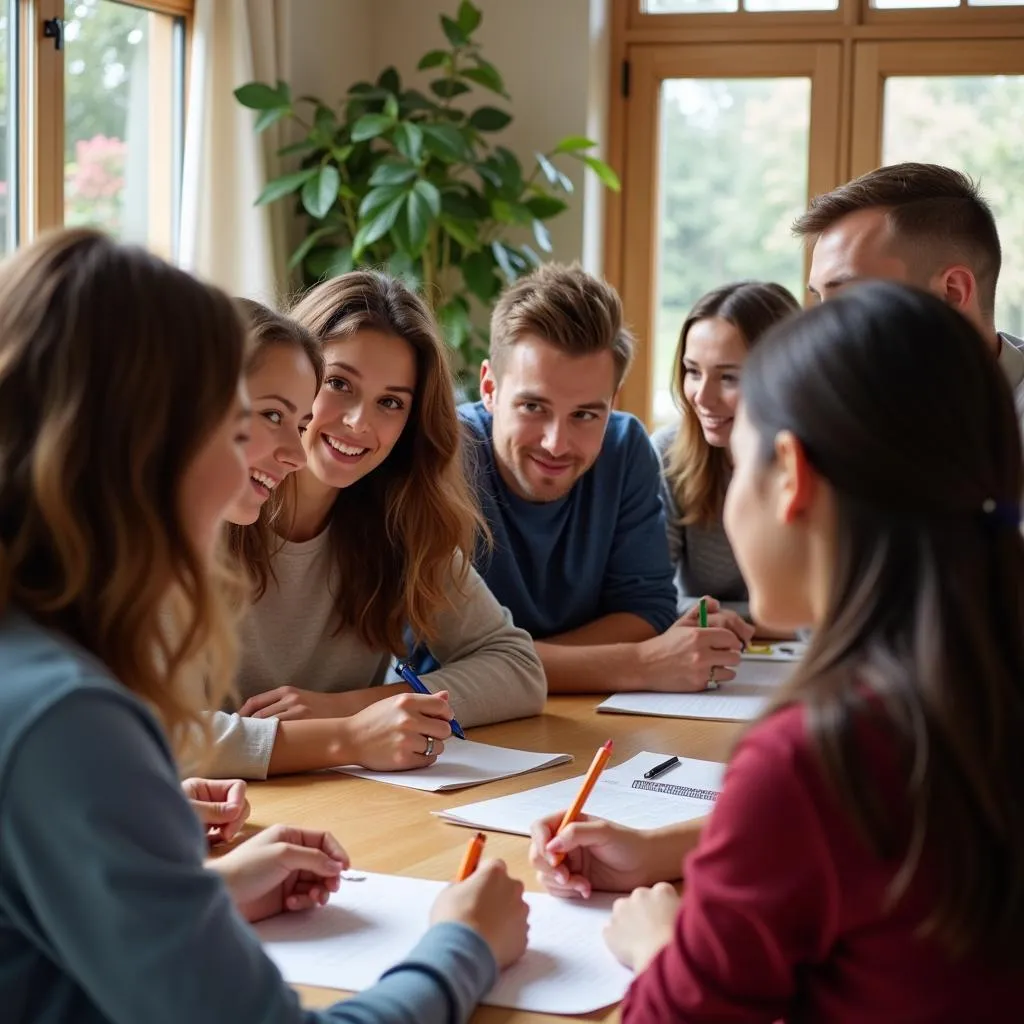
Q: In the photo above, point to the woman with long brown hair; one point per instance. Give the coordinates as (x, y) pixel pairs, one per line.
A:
(865, 859)
(714, 343)
(369, 558)
(123, 423)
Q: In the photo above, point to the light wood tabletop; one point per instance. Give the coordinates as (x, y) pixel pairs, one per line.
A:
(390, 829)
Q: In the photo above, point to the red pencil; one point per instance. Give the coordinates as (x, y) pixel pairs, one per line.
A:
(604, 752)
(472, 857)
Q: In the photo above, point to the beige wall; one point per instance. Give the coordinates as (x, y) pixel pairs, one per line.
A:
(552, 53)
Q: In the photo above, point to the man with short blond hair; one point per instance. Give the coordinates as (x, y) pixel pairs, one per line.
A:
(570, 489)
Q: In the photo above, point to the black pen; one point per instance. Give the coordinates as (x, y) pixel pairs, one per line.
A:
(660, 769)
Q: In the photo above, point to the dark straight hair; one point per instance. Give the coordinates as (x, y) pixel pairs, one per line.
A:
(900, 406)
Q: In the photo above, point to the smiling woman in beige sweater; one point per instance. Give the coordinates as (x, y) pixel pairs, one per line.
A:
(362, 553)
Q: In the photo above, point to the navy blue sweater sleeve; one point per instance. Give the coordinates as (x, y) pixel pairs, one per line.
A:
(101, 873)
(638, 578)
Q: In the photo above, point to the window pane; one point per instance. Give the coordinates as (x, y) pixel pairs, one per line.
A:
(995, 3)
(8, 132)
(972, 124)
(792, 5)
(122, 121)
(689, 6)
(733, 177)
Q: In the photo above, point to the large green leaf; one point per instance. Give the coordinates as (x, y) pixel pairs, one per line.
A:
(369, 126)
(319, 193)
(259, 96)
(478, 273)
(503, 258)
(412, 100)
(408, 140)
(388, 79)
(602, 170)
(543, 236)
(444, 141)
(510, 213)
(434, 59)
(463, 231)
(485, 74)
(325, 263)
(545, 207)
(489, 119)
(377, 227)
(469, 18)
(420, 216)
(376, 199)
(307, 244)
(455, 324)
(448, 88)
(285, 185)
(464, 204)
(392, 172)
(269, 117)
(429, 193)
(573, 143)
(391, 107)
(454, 34)
(325, 123)
(303, 146)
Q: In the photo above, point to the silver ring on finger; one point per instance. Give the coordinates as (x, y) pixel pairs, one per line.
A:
(712, 684)
(429, 752)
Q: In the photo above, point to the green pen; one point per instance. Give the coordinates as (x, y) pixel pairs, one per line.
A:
(703, 613)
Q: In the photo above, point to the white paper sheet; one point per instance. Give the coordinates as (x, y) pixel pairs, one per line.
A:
(371, 925)
(739, 700)
(621, 795)
(464, 763)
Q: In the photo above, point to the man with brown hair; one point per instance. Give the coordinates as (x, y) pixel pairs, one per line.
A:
(921, 224)
(570, 489)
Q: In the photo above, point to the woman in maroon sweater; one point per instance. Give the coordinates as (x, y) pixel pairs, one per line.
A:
(865, 860)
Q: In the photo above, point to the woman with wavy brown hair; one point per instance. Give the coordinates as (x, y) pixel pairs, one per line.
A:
(714, 342)
(122, 433)
(370, 560)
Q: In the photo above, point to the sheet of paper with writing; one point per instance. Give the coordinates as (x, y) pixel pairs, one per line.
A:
(371, 924)
(621, 795)
(464, 763)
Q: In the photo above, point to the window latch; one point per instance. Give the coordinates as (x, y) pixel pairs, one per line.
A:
(53, 28)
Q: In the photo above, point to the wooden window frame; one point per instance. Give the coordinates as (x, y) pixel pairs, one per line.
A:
(41, 118)
(629, 262)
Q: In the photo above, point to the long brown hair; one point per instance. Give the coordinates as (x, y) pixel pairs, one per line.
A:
(900, 406)
(253, 546)
(114, 370)
(698, 472)
(395, 532)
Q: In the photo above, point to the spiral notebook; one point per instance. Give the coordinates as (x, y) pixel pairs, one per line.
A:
(622, 794)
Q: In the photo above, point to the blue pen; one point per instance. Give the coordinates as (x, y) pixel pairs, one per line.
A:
(416, 683)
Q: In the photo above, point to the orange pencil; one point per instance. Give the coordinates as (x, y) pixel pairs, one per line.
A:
(472, 857)
(596, 767)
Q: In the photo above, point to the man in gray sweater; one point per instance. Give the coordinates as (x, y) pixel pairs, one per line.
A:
(921, 224)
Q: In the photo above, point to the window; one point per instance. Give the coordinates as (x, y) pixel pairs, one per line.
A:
(105, 117)
(735, 112)
(8, 128)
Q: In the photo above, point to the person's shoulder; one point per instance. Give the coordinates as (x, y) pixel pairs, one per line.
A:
(42, 669)
(476, 419)
(625, 434)
(663, 439)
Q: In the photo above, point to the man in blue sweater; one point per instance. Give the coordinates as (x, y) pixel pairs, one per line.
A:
(570, 491)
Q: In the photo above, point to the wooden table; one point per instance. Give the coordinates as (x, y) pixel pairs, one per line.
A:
(391, 830)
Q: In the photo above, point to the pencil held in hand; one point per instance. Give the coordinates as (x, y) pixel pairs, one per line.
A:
(471, 857)
(604, 752)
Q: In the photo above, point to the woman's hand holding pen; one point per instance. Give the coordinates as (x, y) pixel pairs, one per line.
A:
(719, 618)
(392, 735)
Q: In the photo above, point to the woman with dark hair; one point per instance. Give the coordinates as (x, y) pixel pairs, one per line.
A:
(865, 859)
(714, 343)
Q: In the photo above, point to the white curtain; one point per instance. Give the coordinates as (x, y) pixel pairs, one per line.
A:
(224, 238)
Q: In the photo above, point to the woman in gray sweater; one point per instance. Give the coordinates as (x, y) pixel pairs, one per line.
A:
(364, 557)
(696, 466)
(112, 496)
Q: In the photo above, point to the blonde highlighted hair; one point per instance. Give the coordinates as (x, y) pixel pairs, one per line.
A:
(114, 370)
(697, 472)
(396, 532)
